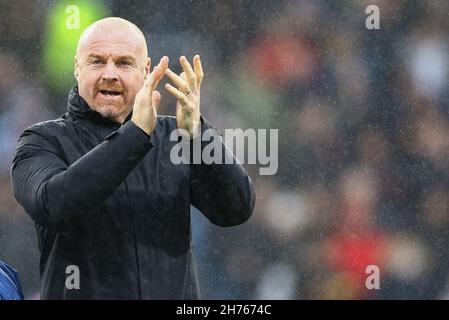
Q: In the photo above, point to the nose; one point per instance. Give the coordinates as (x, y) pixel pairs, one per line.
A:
(110, 73)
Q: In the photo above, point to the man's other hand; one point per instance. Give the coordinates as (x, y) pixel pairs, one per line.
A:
(187, 94)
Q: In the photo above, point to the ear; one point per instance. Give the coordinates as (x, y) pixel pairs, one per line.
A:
(147, 68)
(76, 67)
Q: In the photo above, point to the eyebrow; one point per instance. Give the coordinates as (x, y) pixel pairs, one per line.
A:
(127, 58)
(120, 58)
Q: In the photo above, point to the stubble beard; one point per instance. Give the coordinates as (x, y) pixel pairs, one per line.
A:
(109, 111)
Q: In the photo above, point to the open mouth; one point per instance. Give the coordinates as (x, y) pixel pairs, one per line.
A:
(110, 93)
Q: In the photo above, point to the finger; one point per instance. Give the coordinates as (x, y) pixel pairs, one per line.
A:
(147, 74)
(155, 98)
(149, 83)
(198, 69)
(181, 97)
(182, 84)
(183, 75)
(191, 78)
(160, 72)
(157, 74)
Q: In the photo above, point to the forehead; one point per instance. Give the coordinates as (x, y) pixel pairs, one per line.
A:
(114, 42)
(113, 49)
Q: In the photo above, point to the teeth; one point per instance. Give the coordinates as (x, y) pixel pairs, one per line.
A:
(109, 93)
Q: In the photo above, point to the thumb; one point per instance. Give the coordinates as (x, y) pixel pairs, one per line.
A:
(155, 98)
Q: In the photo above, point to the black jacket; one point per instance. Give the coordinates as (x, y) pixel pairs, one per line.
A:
(106, 198)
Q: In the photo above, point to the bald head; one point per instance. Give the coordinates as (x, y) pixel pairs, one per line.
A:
(112, 28)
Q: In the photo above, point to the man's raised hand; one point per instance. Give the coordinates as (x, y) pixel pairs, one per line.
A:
(147, 99)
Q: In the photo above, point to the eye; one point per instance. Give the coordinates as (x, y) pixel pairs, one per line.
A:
(124, 63)
(95, 61)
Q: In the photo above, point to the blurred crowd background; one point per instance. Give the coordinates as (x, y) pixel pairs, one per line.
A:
(363, 119)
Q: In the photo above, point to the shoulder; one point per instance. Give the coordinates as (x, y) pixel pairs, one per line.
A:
(47, 130)
(48, 126)
(9, 283)
(166, 124)
(166, 120)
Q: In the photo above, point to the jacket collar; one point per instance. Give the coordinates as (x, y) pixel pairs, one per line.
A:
(78, 108)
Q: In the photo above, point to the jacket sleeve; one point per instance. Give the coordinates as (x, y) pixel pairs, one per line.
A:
(224, 193)
(59, 196)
